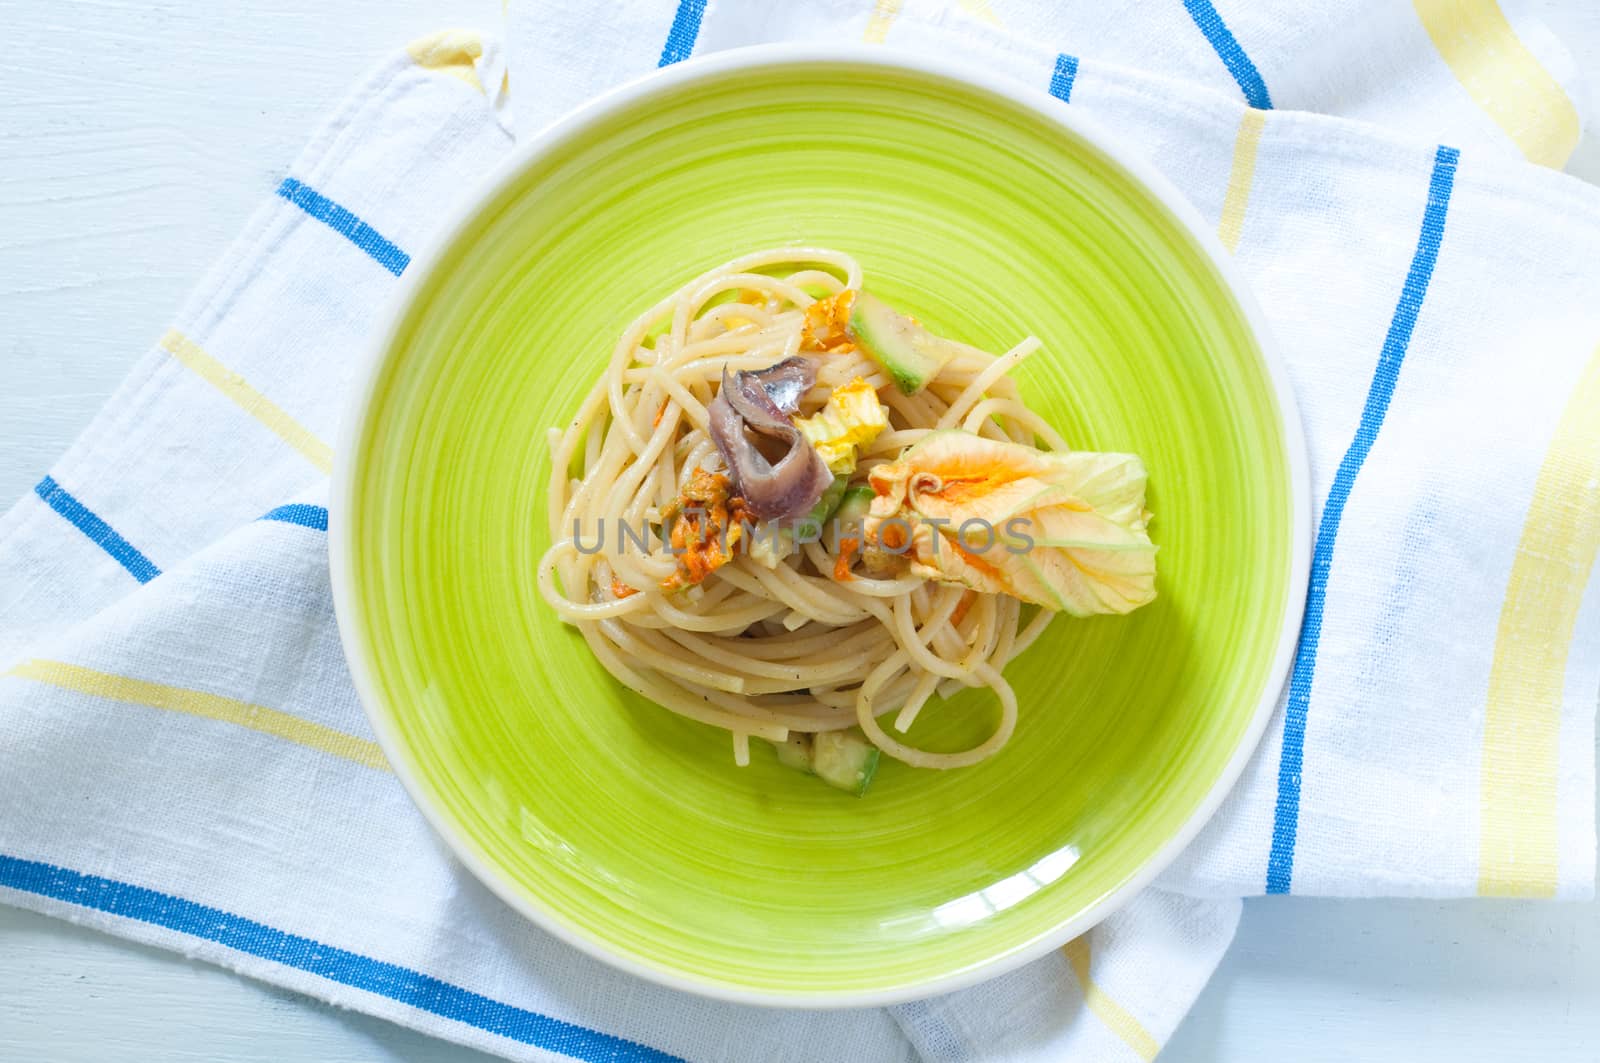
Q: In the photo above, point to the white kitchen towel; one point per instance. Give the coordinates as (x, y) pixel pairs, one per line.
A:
(183, 760)
(1473, 73)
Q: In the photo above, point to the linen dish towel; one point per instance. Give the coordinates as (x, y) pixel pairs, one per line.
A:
(182, 757)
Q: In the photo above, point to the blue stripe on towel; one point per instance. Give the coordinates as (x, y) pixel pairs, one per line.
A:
(1232, 55)
(685, 29)
(337, 965)
(301, 514)
(1286, 820)
(104, 536)
(1065, 73)
(345, 224)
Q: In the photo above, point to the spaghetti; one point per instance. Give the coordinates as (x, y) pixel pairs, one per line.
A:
(807, 639)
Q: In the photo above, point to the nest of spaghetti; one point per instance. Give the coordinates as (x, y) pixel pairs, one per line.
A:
(787, 510)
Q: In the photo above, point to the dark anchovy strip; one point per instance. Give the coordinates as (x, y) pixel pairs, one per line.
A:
(761, 402)
(783, 383)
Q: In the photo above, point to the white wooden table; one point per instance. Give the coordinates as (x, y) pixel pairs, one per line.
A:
(135, 138)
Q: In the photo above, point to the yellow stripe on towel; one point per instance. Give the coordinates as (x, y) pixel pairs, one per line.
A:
(1503, 78)
(1517, 846)
(1116, 1018)
(257, 405)
(878, 23)
(980, 9)
(1237, 200)
(453, 52)
(207, 706)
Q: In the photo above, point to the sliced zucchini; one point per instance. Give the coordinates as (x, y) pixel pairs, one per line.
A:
(795, 752)
(850, 515)
(769, 545)
(909, 353)
(854, 503)
(810, 525)
(844, 759)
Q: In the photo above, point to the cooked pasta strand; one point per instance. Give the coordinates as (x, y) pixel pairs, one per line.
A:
(801, 644)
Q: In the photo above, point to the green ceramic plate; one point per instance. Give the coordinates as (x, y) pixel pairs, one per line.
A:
(989, 212)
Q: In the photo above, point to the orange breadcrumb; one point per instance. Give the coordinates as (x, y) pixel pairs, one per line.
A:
(827, 324)
(702, 517)
(960, 613)
(841, 566)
